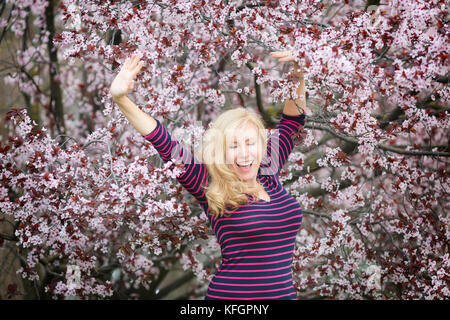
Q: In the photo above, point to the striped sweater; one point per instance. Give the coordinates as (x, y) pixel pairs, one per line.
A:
(257, 240)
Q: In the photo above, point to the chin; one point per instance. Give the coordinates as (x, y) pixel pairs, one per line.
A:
(251, 176)
(247, 177)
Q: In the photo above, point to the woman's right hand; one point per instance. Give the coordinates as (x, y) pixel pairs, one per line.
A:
(124, 81)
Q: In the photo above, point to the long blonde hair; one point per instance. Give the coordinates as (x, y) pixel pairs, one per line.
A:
(225, 191)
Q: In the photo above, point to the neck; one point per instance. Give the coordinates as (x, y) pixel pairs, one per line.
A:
(253, 185)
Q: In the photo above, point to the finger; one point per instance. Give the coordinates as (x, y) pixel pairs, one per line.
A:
(130, 62)
(137, 58)
(127, 63)
(286, 59)
(133, 61)
(138, 68)
(278, 54)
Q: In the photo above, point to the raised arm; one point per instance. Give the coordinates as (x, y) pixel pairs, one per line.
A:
(124, 83)
(194, 175)
(298, 106)
(281, 143)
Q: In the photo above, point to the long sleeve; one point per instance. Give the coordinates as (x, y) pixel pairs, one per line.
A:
(280, 143)
(194, 177)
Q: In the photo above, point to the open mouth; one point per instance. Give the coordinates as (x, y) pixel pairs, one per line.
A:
(244, 165)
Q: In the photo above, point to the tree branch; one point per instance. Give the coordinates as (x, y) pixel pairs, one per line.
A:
(56, 105)
(379, 146)
(259, 102)
(7, 237)
(174, 285)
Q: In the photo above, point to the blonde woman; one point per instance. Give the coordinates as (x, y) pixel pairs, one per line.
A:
(235, 177)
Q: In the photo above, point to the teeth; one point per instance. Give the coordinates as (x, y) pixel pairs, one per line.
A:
(244, 165)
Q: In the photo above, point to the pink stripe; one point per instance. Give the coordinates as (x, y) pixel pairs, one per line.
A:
(198, 176)
(259, 221)
(267, 234)
(234, 298)
(253, 278)
(164, 151)
(153, 133)
(255, 263)
(258, 210)
(206, 184)
(167, 143)
(188, 174)
(257, 229)
(265, 204)
(252, 291)
(295, 124)
(188, 184)
(288, 130)
(252, 257)
(203, 180)
(277, 154)
(249, 285)
(186, 164)
(283, 147)
(179, 156)
(255, 270)
(259, 249)
(191, 186)
(163, 143)
(258, 242)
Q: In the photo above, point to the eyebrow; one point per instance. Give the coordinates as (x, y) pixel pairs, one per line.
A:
(234, 141)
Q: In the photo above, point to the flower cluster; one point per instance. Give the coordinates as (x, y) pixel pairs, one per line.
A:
(96, 213)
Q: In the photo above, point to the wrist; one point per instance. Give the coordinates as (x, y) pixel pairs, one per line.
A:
(298, 72)
(298, 76)
(118, 99)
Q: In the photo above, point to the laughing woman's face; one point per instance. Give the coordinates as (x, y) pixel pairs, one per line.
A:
(244, 153)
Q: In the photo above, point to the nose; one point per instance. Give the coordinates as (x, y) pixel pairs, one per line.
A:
(243, 152)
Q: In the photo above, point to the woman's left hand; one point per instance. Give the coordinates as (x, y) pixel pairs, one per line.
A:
(286, 56)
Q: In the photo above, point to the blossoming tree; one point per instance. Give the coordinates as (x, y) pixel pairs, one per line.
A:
(93, 212)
